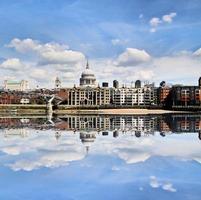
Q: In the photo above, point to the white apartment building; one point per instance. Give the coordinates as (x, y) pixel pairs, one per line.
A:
(131, 96)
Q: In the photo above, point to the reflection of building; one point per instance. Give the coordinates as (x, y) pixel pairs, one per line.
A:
(22, 132)
(87, 139)
(89, 126)
(16, 85)
(88, 123)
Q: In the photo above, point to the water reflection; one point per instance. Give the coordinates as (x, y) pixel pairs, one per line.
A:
(134, 125)
(111, 157)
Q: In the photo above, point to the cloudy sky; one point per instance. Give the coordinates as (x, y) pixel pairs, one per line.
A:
(137, 39)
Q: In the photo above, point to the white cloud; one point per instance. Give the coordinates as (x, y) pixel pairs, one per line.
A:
(40, 74)
(176, 68)
(132, 57)
(169, 187)
(132, 156)
(48, 53)
(50, 160)
(168, 18)
(155, 183)
(13, 64)
(197, 52)
(155, 21)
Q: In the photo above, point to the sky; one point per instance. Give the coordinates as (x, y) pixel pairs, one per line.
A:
(124, 40)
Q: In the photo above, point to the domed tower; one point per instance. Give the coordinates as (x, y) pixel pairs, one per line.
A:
(88, 78)
(57, 83)
(87, 139)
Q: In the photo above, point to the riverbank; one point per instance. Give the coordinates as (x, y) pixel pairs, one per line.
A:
(116, 111)
(18, 109)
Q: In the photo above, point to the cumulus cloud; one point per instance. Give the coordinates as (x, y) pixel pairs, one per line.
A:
(53, 59)
(13, 64)
(169, 187)
(176, 68)
(47, 152)
(197, 52)
(155, 183)
(48, 53)
(168, 18)
(44, 60)
(156, 21)
(40, 74)
(50, 160)
(132, 57)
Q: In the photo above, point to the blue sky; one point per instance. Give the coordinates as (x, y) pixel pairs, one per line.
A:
(102, 31)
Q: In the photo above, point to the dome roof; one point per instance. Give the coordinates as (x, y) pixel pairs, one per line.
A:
(88, 78)
(88, 72)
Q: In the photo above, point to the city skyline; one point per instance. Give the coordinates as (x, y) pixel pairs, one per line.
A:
(151, 41)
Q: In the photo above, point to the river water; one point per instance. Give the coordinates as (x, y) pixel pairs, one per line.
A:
(100, 157)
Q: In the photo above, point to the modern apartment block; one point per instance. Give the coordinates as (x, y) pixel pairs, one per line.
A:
(135, 96)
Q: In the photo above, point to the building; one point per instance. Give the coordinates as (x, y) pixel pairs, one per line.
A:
(138, 84)
(11, 85)
(164, 95)
(88, 78)
(57, 83)
(186, 96)
(79, 96)
(126, 96)
(88, 93)
(135, 96)
(115, 84)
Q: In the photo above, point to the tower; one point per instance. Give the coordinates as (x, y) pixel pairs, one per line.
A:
(115, 84)
(57, 83)
(88, 78)
(138, 84)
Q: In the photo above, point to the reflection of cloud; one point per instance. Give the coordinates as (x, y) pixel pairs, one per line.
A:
(134, 151)
(43, 150)
(154, 183)
(12, 150)
(54, 159)
(49, 153)
(169, 187)
(133, 157)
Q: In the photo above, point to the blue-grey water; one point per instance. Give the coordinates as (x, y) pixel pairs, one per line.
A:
(100, 157)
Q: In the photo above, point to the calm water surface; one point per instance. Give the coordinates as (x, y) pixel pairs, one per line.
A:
(101, 157)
